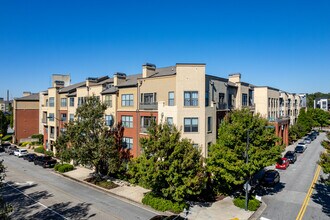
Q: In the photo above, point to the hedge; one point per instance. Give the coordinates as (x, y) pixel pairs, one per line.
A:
(39, 150)
(62, 168)
(162, 204)
(253, 204)
(7, 138)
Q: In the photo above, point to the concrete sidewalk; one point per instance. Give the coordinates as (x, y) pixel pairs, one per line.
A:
(224, 209)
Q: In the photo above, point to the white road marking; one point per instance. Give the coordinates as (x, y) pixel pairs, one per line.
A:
(263, 218)
(37, 201)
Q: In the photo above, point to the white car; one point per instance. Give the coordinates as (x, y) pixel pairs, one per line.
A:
(20, 152)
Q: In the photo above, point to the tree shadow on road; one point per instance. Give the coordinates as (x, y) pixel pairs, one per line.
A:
(27, 206)
(322, 196)
(263, 191)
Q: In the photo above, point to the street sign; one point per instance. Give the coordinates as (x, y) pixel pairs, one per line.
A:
(248, 186)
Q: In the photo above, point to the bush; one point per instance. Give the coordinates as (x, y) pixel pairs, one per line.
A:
(39, 136)
(57, 166)
(106, 184)
(24, 144)
(62, 168)
(253, 204)
(39, 150)
(49, 153)
(7, 138)
(162, 204)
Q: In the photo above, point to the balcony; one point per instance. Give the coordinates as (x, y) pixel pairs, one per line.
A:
(252, 106)
(51, 135)
(148, 105)
(222, 106)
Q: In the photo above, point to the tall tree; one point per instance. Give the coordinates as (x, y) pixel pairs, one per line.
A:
(5, 208)
(3, 124)
(324, 161)
(88, 139)
(169, 165)
(227, 158)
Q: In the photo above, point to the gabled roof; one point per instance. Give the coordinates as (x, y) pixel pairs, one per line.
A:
(72, 87)
(164, 71)
(130, 81)
(110, 90)
(32, 97)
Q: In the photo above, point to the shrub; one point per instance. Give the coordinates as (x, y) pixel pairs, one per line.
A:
(57, 166)
(65, 168)
(25, 143)
(39, 150)
(7, 138)
(162, 204)
(39, 136)
(49, 153)
(253, 204)
(106, 184)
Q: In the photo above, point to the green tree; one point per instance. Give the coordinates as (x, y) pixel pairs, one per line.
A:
(170, 166)
(305, 121)
(3, 124)
(227, 159)
(88, 141)
(320, 117)
(324, 161)
(5, 208)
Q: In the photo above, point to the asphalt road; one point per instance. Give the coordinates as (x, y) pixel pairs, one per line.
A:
(285, 200)
(38, 193)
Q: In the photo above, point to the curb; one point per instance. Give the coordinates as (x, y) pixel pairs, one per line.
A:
(256, 215)
(122, 198)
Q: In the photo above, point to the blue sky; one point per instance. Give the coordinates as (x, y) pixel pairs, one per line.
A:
(281, 43)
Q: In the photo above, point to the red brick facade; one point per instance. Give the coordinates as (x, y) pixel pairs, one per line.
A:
(26, 123)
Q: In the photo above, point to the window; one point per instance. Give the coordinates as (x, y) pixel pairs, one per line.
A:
(46, 102)
(127, 100)
(72, 101)
(148, 98)
(63, 117)
(221, 98)
(51, 116)
(127, 143)
(52, 131)
(244, 99)
(207, 98)
(146, 121)
(209, 124)
(63, 102)
(51, 102)
(71, 117)
(127, 121)
(170, 98)
(169, 120)
(108, 100)
(191, 98)
(108, 120)
(81, 101)
(190, 124)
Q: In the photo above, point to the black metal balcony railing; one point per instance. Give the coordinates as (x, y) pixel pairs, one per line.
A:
(222, 106)
(148, 105)
(51, 135)
(44, 120)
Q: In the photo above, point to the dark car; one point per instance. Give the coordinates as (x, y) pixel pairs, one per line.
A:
(312, 136)
(291, 156)
(10, 150)
(299, 149)
(40, 160)
(49, 163)
(30, 157)
(270, 178)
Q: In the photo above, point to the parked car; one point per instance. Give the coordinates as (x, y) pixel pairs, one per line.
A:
(30, 157)
(299, 149)
(20, 152)
(291, 156)
(316, 132)
(270, 178)
(49, 163)
(40, 160)
(312, 136)
(165, 217)
(10, 150)
(307, 140)
(282, 163)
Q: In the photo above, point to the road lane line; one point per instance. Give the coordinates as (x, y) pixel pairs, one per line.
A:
(52, 210)
(309, 193)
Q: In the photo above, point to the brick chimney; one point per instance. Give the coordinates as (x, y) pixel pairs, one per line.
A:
(118, 78)
(148, 69)
(235, 77)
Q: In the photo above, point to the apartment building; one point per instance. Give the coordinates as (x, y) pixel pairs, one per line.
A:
(322, 103)
(290, 105)
(182, 95)
(26, 116)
